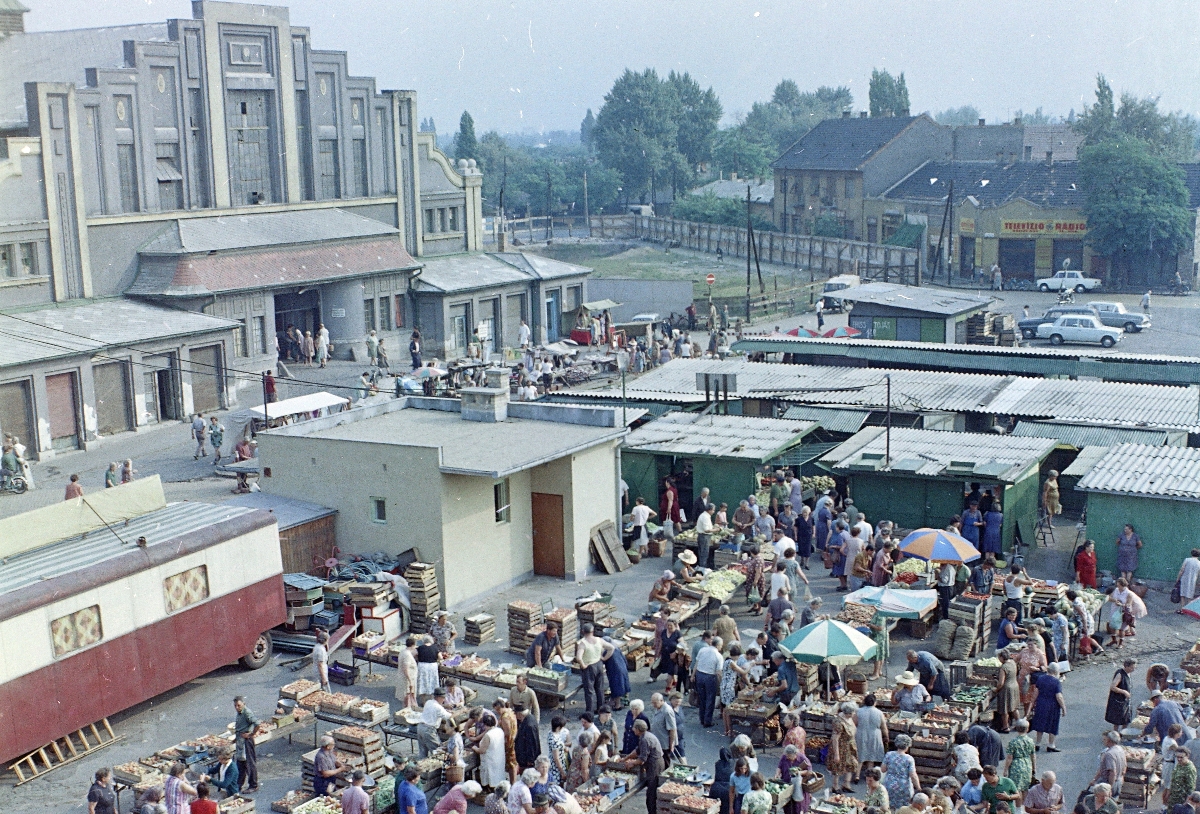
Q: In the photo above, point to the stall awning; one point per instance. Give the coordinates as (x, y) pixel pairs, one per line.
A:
(602, 305)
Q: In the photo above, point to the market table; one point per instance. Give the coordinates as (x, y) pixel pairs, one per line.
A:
(554, 697)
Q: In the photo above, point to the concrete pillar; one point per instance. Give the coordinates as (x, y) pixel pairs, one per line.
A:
(342, 313)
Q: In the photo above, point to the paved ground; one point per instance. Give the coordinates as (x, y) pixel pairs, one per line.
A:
(204, 705)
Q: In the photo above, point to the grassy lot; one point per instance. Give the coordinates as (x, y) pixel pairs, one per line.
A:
(651, 262)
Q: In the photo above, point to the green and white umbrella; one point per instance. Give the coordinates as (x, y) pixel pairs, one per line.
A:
(832, 641)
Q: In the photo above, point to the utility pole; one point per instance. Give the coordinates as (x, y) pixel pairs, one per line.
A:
(549, 212)
(748, 243)
(266, 409)
(887, 453)
(586, 213)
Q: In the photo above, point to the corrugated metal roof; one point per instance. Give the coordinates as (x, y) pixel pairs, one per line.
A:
(930, 453)
(93, 327)
(1136, 469)
(1149, 406)
(917, 298)
(543, 268)
(288, 513)
(719, 436)
(232, 232)
(1087, 435)
(799, 456)
(830, 418)
(86, 551)
(463, 272)
(1084, 461)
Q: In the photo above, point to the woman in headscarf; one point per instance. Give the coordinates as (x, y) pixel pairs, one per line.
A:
(804, 536)
(793, 766)
(722, 774)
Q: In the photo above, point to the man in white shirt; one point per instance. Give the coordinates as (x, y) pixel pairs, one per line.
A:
(706, 669)
(640, 514)
(865, 531)
(781, 543)
(320, 657)
(523, 335)
(704, 529)
(823, 500)
(432, 716)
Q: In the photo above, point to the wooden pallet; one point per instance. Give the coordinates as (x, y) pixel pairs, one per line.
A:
(67, 749)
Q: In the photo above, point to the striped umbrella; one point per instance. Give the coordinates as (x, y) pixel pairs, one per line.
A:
(842, 332)
(809, 332)
(1192, 609)
(936, 545)
(832, 641)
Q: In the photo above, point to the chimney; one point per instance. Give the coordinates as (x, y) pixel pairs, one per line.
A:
(982, 122)
(862, 114)
(733, 176)
(485, 404)
(12, 18)
(1049, 158)
(845, 114)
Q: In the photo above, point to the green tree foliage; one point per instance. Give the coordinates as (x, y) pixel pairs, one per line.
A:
(522, 173)
(1136, 201)
(708, 208)
(699, 112)
(1170, 135)
(781, 122)
(828, 225)
(888, 95)
(965, 115)
(585, 129)
(734, 151)
(427, 126)
(465, 145)
(637, 130)
(1036, 117)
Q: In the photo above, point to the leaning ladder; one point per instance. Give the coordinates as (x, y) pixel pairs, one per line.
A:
(1044, 533)
(67, 749)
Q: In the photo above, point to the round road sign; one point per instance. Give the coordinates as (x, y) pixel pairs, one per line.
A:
(710, 279)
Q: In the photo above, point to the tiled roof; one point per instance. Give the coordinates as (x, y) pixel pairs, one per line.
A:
(247, 231)
(917, 298)
(90, 328)
(993, 184)
(1135, 469)
(719, 436)
(61, 56)
(931, 453)
(842, 144)
(199, 274)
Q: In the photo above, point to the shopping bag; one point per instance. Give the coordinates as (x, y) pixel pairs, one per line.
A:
(1176, 596)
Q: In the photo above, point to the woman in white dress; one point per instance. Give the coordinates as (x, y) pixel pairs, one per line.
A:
(491, 753)
(1189, 576)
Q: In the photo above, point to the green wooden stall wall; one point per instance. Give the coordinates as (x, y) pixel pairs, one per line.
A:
(640, 471)
(728, 480)
(1159, 521)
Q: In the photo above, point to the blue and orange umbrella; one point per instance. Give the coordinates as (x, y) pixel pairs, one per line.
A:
(808, 332)
(935, 545)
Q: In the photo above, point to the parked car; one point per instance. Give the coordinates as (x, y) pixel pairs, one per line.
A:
(1114, 315)
(1086, 328)
(1028, 327)
(841, 282)
(1068, 278)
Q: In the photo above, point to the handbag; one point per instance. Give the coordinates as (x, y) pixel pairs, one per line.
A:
(1176, 596)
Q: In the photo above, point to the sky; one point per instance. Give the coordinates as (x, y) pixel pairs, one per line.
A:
(534, 66)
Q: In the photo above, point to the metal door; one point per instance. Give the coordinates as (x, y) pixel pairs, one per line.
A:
(113, 413)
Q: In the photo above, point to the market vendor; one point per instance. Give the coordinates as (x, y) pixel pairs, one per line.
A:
(910, 694)
(443, 633)
(649, 759)
(225, 776)
(455, 699)
(544, 646)
(523, 695)
(660, 591)
(685, 568)
(432, 716)
(789, 682)
(743, 518)
(932, 672)
(326, 768)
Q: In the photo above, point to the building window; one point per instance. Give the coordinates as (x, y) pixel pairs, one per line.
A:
(378, 510)
(849, 187)
(454, 219)
(327, 169)
(500, 497)
(369, 314)
(441, 220)
(29, 262)
(399, 310)
(260, 334)
(240, 331)
(385, 314)
(76, 631)
(127, 174)
(429, 221)
(186, 588)
(574, 297)
(170, 179)
(7, 268)
(359, 153)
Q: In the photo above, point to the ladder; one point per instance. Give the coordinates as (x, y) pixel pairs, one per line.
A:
(67, 749)
(1044, 532)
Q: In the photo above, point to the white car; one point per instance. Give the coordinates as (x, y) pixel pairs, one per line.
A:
(1079, 328)
(1067, 280)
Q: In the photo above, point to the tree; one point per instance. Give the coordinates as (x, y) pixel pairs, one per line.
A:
(1171, 135)
(637, 130)
(699, 111)
(965, 115)
(888, 95)
(734, 151)
(1136, 202)
(1036, 117)
(585, 129)
(787, 95)
(427, 126)
(790, 114)
(708, 208)
(465, 145)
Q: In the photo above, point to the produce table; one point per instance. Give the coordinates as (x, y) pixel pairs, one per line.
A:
(552, 697)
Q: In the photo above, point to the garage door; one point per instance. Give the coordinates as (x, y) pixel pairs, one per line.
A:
(206, 378)
(16, 414)
(1017, 258)
(61, 393)
(112, 398)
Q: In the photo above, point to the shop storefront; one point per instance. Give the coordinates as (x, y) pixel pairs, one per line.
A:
(1026, 244)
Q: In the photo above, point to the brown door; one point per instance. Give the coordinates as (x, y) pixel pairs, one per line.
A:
(549, 556)
(206, 377)
(112, 398)
(64, 411)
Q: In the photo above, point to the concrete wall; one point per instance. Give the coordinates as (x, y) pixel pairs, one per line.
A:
(1158, 521)
(481, 555)
(924, 140)
(642, 296)
(595, 489)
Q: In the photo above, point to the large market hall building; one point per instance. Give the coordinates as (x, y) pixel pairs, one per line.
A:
(220, 165)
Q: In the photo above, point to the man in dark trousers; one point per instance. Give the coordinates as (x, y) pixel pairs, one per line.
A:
(649, 758)
(244, 727)
(526, 743)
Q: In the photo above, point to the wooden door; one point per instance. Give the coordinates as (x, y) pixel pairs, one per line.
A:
(549, 554)
(64, 411)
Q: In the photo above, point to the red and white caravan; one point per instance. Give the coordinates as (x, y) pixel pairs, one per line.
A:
(98, 621)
